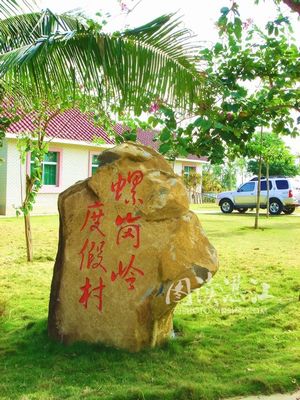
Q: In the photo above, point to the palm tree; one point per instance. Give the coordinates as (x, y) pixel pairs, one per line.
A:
(42, 52)
(44, 55)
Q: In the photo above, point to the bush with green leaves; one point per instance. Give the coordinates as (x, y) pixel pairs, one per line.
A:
(258, 71)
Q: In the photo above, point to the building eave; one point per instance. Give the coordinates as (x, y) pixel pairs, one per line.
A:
(68, 141)
(192, 161)
(96, 146)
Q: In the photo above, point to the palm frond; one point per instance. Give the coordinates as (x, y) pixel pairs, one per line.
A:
(156, 59)
(25, 29)
(167, 35)
(13, 7)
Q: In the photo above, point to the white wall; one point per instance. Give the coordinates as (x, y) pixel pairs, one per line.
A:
(15, 178)
(3, 174)
(179, 165)
(75, 167)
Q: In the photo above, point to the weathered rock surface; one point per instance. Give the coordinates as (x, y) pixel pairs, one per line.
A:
(129, 250)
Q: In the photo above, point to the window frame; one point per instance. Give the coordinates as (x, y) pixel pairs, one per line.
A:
(247, 191)
(282, 180)
(270, 186)
(50, 188)
(188, 166)
(91, 154)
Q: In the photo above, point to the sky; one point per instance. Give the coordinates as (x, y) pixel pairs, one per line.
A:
(198, 15)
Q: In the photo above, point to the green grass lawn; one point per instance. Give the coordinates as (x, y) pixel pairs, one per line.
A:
(204, 206)
(240, 336)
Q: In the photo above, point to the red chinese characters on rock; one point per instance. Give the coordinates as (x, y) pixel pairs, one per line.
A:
(118, 187)
(127, 273)
(92, 254)
(87, 292)
(93, 218)
(134, 178)
(128, 230)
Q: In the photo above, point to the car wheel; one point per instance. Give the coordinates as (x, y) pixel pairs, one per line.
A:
(275, 207)
(242, 210)
(226, 206)
(289, 209)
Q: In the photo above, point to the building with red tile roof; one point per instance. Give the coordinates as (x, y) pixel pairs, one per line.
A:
(74, 144)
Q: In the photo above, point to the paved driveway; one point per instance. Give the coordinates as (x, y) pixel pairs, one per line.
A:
(214, 211)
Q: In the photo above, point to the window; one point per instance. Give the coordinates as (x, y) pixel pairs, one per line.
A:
(187, 170)
(247, 187)
(50, 168)
(263, 185)
(95, 163)
(282, 184)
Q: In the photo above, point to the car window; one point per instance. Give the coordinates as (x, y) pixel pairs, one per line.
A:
(282, 184)
(247, 187)
(263, 185)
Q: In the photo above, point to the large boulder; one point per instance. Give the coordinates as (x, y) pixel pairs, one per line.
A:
(129, 251)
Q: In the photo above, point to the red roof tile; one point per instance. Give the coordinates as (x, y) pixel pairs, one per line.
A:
(71, 124)
(74, 125)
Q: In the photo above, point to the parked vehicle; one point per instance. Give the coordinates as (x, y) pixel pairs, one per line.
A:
(284, 195)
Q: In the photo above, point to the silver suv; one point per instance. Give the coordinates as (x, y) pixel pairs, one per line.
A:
(284, 195)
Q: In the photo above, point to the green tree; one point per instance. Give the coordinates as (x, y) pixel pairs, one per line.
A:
(277, 158)
(35, 143)
(241, 165)
(192, 181)
(286, 166)
(229, 172)
(269, 156)
(57, 61)
(211, 179)
(259, 71)
(223, 174)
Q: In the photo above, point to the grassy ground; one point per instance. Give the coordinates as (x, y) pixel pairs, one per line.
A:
(204, 206)
(240, 336)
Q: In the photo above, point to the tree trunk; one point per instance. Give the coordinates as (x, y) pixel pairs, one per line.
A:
(258, 184)
(268, 189)
(28, 237)
(230, 176)
(258, 194)
(201, 200)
